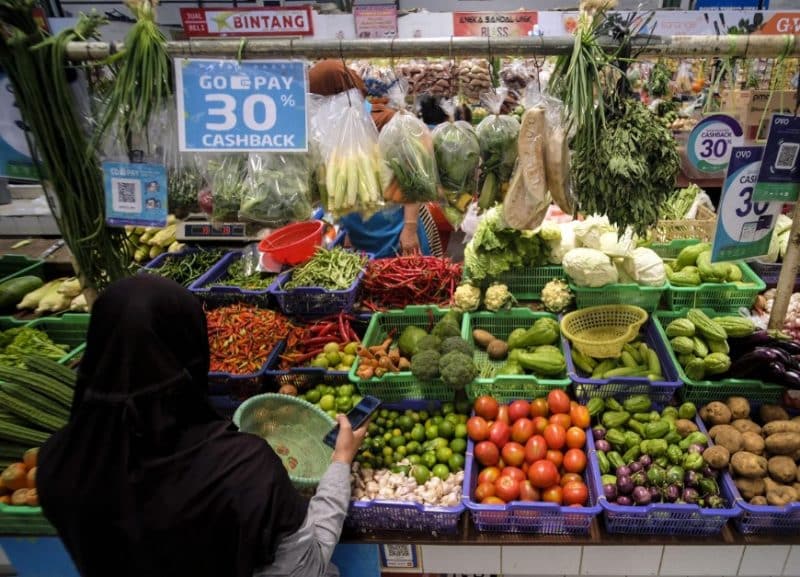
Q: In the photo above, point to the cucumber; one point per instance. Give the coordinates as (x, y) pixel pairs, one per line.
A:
(14, 290)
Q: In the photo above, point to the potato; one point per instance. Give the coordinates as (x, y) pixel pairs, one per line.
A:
(717, 456)
(749, 465)
(739, 406)
(685, 426)
(781, 495)
(482, 338)
(780, 427)
(497, 350)
(717, 429)
(716, 413)
(771, 413)
(758, 500)
(729, 438)
(753, 443)
(782, 469)
(750, 488)
(745, 426)
(783, 443)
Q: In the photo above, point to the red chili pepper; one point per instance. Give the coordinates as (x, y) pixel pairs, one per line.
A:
(401, 281)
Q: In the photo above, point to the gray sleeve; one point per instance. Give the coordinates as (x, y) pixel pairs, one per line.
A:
(308, 551)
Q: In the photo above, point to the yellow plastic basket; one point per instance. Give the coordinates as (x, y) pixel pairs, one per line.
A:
(600, 332)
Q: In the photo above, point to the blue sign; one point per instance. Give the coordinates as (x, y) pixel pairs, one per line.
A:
(248, 106)
(15, 156)
(779, 178)
(744, 226)
(136, 194)
(711, 141)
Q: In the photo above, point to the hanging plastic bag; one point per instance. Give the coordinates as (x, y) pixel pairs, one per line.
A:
(497, 136)
(683, 77)
(278, 189)
(184, 178)
(406, 147)
(226, 175)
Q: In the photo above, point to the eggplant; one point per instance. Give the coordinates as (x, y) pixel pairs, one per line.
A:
(716, 502)
(774, 371)
(691, 479)
(690, 495)
(791, 347)
(742, 345)
(646, 460)
(624, 485)
(639, 478)
(774, 353)
(610, 491)
(791, 379)
(603, 445)
(624, 501)
(623, 471)
(635, 467)
(675, 475)
(641, 495)
(696, 448)
(598, 433)
(655, 494)
(672, 493)
(710, 472)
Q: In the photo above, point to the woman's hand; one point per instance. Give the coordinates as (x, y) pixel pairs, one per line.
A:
(348, 441)
(409, 241)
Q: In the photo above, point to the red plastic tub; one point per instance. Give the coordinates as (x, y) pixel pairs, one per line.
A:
(295, 243)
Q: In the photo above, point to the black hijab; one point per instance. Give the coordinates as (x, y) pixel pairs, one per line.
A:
(146, 478)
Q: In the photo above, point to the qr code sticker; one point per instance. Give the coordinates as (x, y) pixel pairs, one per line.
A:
(127, 195)
(787, 156)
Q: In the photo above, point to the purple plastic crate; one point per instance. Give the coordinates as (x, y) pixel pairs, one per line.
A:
(406, 516)
(223, 295)
(243, 386)
(665, 518)
(157, 262)
(531, 517)
(621, 387)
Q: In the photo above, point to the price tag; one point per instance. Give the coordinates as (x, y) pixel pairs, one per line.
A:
(136, 194)
(779, 178)
(248, 106)
(744, 225)
(711, 142)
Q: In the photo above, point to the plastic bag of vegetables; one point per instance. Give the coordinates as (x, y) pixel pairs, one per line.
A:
(458, 153)
(226, 175)
(497, 136)
(407, 150)
(278, 189)
(184, 179)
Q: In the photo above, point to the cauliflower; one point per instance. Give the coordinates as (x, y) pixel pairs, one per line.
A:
(456, 344)
(498, 297)
(556, 296)
(425, 365)
(590, 268)
(466, 298)
(457, 369)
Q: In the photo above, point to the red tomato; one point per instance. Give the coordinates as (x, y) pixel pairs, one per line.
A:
(518, 409)
(555, 457)
(502, 415)
(522, 430)
(486, 453)
(535, 449)
(569, 478)
(499, 433)
(477, 429)
(574, 461)
(554, 494)
(527, 492)
(513, 454)
(524, 468)
(501, 464)
(514, 472)
(493, 501)
(575, 493)
(580, 416)
(507, 489)
(486, 407)
(539, 425)
(543, 474)
(489, 475)
(484, 490)
(539, 408)
(561, 419)
(558, 401)
(556, 436)
(576, 438)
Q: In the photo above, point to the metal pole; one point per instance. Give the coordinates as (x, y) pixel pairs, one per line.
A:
(677, 46)
(785, 288)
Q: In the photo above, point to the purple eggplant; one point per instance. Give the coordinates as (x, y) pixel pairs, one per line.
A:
(623, 471)
(639, 478)
(599, 433)
(709, 472)
(672, 493)
(691, 479)
(641, 495)
(624, 501)
(635, 467)
(690, 495)
(624, 485)
(610, 491)
(603, 445)
(773, 353)
(791, 347)
(696, 448)
(774, 371)
(791, 379)
(655, 493)
(646, 460)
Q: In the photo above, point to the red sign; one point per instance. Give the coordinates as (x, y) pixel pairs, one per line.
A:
(781, 23)
(375, 21)
(248, 21)
(494, 24)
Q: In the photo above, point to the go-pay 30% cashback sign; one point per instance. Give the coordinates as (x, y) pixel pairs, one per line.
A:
(248, 106)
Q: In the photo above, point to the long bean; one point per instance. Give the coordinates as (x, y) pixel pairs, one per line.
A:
(187, 268)
(235, 276)
(334, 269)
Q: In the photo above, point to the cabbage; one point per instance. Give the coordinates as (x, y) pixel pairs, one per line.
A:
(560, 245)
(588, 267)
(589, 231)
(645, 267)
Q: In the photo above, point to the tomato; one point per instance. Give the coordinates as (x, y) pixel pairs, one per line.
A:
(574, 461)
(502, 415)
(513, 454)
(575, 493)
(486, 407)
(555, 457)
(524, 468)
(489, 475)
(556, 436)
(580, 416)
(539, 408)
(493, 501)
(535, 449)
(558, 401)
(484, 490)
(477, 429)
(499, 433)
(501, 464)
(514, 472)
(576, 438)
(569, 478)
(561, 419)
(543, 474)
(522, 430)
(506, 489)
(527, 492)
(539, 425)
(554, 494)
(487, 453)
(518, 409)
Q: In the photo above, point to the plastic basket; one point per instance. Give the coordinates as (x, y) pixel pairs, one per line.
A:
(403, 385)
(18, 520)
(601, 331)
(68, 329)
(507, 388)
(646, 297)
(159, 261)
(670, 250)
(621, 387)
(294, 243)
(531, 517)
(664, 518)
(223, 295)
(706, 391)
(243, 387)
(702, 227)
(14, 266)
(769, 272)
(294, 428)
(526, 283)
(717, 296)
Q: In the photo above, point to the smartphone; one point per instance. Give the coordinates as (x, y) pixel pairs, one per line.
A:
(357, 416)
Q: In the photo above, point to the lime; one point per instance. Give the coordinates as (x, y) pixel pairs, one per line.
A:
(452, 418)
(342, 368)
(387, 436)
(327, 390)
(439, 442)
(456, 462)
(378, 442)
(344, 404)
(461, 431)
(463, 407)
(462, 419)
(357, 399)
(331, 348)
(327, 403)
(333, 359)
(321, 362)
(405, 423)
(414, 416)
(429, 459)
(372, 429)
(400, 452)
(397, 432)
(393, 415)
(431, 432)
(414, 459)
(438, 419)
(380, 421)
(443, 454)
(418, 433)
(423, 416)
(448, 408)
(345, 391)
(313, 396)
(396, 442)
(458, 446)
(387, 452)
(446, 429)
(441, 471)
(421, 474)
(351, 348)
(383, 413)
(413, 448)
(332, 414)
(348, 360)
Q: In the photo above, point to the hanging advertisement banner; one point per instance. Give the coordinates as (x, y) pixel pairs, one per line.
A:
(519, 23)
(247, 21)
(136, 194)
(779, 178)
(375, 21)
(711, 142)
(15, 156)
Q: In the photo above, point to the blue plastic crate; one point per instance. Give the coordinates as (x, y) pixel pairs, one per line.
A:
(156, 263)
(224, 295)
(225, 405)
(586, 388)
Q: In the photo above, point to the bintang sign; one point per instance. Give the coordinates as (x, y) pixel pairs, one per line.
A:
(247, 22)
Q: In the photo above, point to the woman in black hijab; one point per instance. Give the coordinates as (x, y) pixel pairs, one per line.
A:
(147, 479)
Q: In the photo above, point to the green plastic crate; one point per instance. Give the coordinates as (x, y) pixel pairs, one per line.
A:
(507, 388)
(18, 520)
(646, 297)
(722, 297)
(13, 266)
(707, 391)
(671, 249)
(68, 329)
(526, 283)
(403, 385)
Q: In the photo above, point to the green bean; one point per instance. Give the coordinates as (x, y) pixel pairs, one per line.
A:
(235, 277)
(334, 269)
(187, 268)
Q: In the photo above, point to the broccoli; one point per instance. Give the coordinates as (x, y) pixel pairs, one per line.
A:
(457, 369)
(447, 327)
(429, 342)
(425, 365)
(456, 344)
